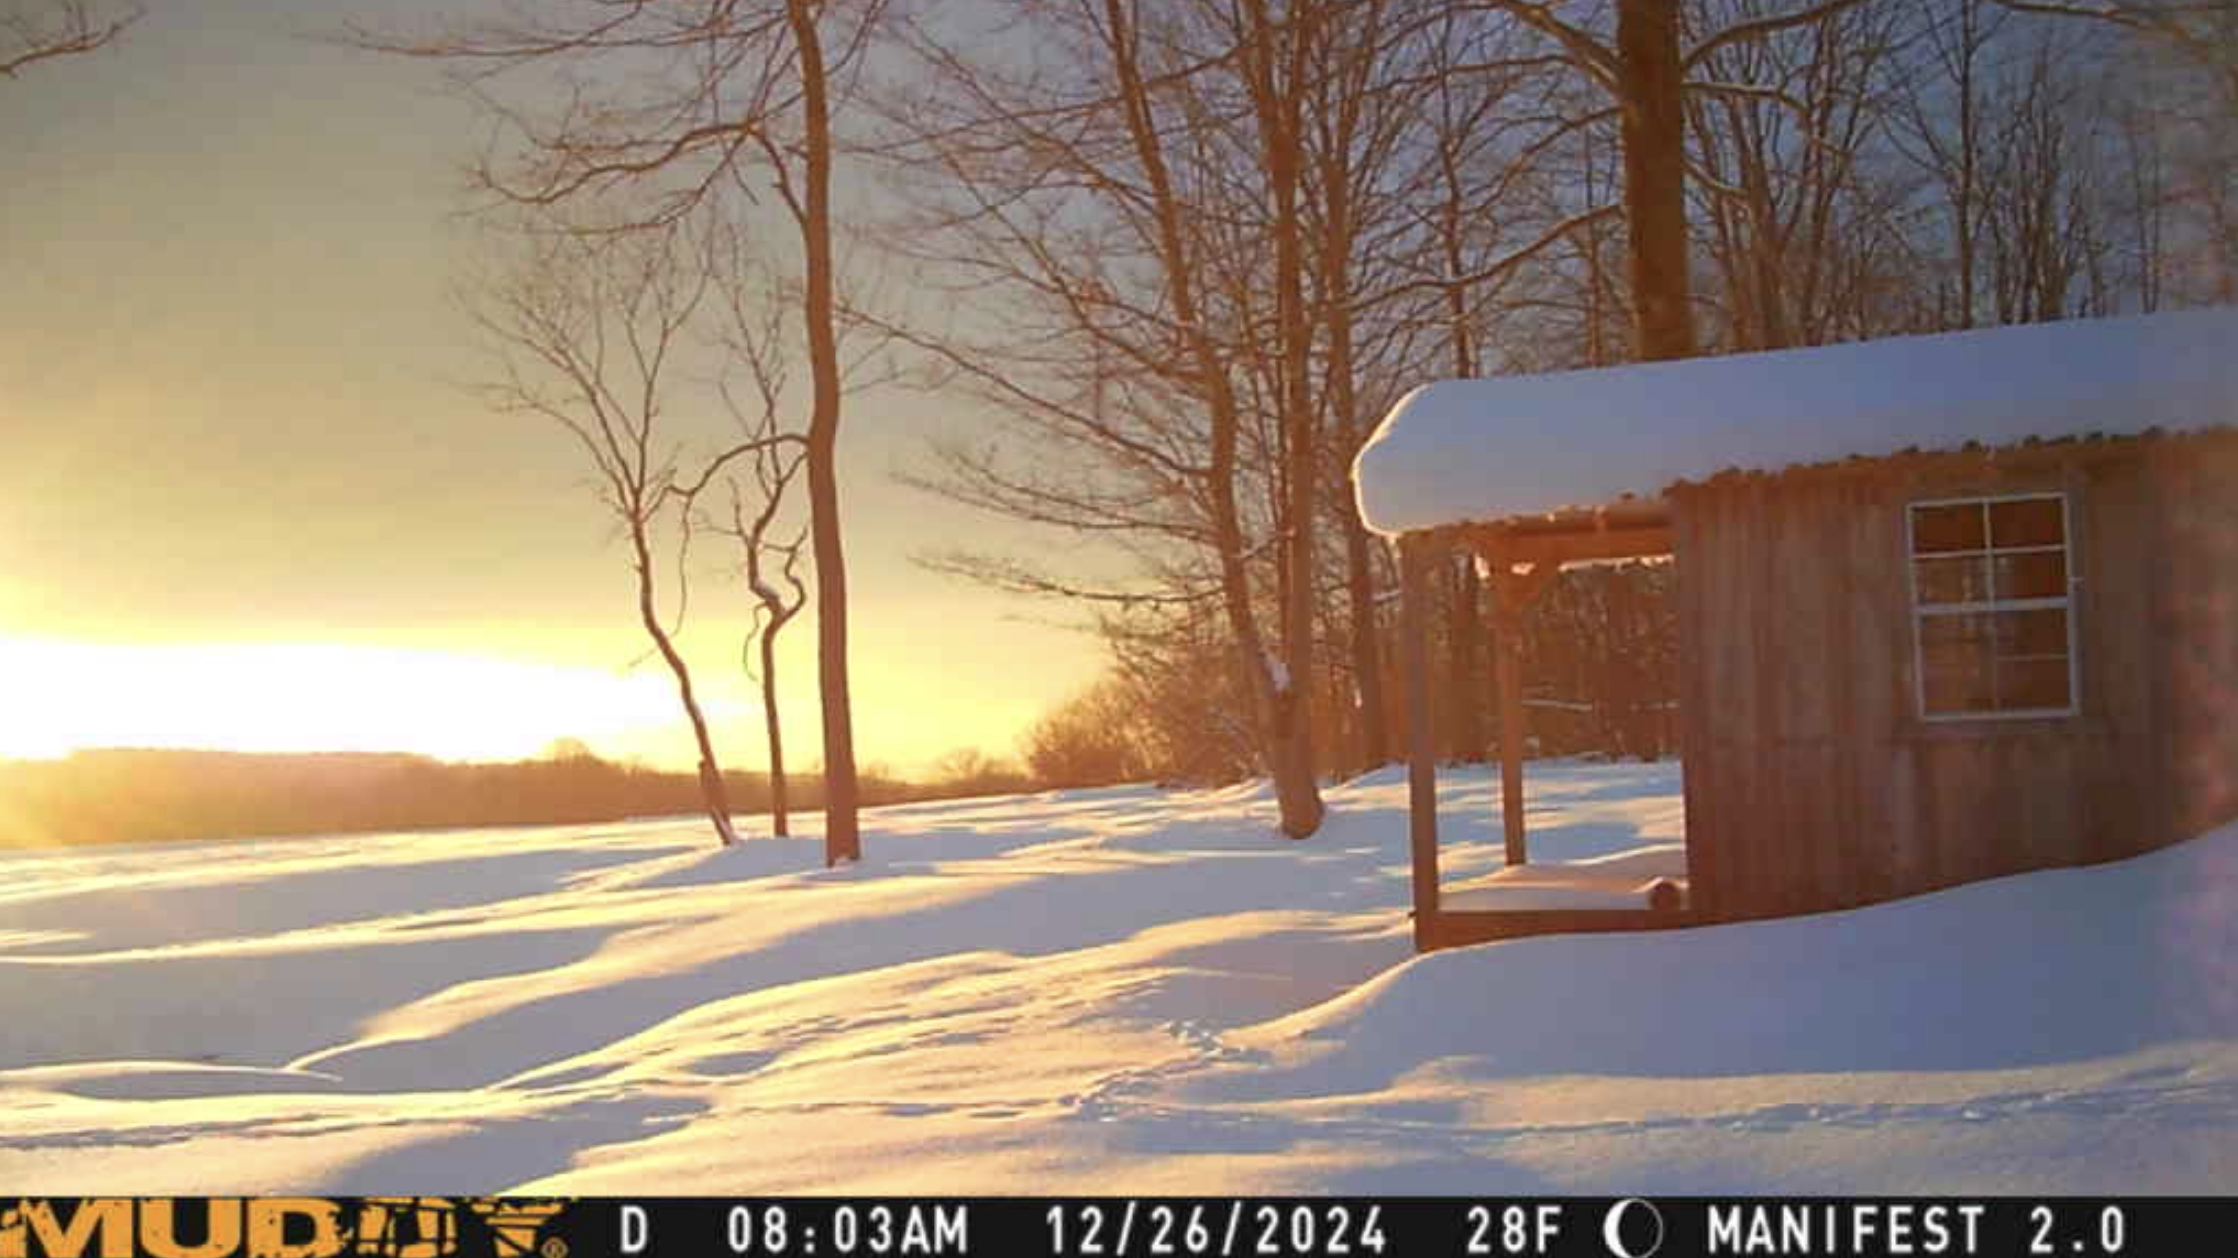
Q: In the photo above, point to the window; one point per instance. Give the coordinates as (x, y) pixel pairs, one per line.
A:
(1992, 623)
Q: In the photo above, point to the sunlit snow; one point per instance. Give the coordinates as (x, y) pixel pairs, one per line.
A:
(1101, 991)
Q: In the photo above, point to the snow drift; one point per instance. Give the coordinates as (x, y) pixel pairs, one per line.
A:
(1106, 991)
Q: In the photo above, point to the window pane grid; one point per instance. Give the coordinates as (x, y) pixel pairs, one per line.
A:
(1985, 573)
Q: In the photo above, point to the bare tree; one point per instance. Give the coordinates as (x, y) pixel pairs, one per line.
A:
(2200, 36)
(587, 329)
(769, 561)
(2043, 228)
(679, 105)
(2204, 32)
(1375, 69)
(1096, 737)
(754, 336)
(1640, 65)
(1646, 67)
(1799, 217)
(1114, 204)
(2183, 155)
(1275, 52)
(32, 31)
(1942, 130)
(1194, 225)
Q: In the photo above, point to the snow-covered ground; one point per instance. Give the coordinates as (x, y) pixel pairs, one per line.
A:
(1104, 991)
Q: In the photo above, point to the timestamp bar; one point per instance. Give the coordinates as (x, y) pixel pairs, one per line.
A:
(1114, 1227)
(1420, 1227)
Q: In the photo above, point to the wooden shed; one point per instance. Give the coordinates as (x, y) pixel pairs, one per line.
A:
(1950, 607)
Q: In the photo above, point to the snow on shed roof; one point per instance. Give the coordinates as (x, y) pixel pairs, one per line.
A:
(1494, 449)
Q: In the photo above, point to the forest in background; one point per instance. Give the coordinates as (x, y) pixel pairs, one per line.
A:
(1466, 204)
(141, 796)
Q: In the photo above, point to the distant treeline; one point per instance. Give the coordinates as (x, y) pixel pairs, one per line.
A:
(135, 796)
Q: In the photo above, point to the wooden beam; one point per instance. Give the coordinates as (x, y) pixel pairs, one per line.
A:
(1623, 517)
(1561, 548)
(1417, 555)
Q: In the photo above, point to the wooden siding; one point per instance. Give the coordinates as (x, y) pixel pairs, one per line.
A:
(1812, 783)
(2198, 513)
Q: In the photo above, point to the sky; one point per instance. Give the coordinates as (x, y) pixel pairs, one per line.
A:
(247, 500)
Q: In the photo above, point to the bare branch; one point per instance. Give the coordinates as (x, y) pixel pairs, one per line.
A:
(1504, 266)
(1016, 577)
(34, 32)
(1586, 52)
(1741, 32)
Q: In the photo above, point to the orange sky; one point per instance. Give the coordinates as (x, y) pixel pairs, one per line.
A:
(245, 503)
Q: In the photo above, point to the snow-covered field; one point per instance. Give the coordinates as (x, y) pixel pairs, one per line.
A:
(1104, 991)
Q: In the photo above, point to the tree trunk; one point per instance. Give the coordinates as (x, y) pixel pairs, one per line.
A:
(1374, 749)
(1367, 657)
(1654, 130)
(780, 822)
(1282, 138)
(1596, 276)
(1297, 793)
(842, 837)
(1966, 216)
(712, 791)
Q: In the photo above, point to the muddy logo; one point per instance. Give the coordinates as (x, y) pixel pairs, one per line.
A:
(279, 1227)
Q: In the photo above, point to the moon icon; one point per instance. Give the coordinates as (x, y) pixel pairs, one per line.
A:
(1612, 1228)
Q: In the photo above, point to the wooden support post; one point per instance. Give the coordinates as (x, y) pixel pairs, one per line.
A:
(1512, 593)
(1416, 556)
(1505, 622)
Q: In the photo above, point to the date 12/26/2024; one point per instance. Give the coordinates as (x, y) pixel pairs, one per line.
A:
(1200, 1228)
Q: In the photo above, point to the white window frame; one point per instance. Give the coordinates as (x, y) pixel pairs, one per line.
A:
(2064, 602)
